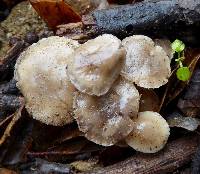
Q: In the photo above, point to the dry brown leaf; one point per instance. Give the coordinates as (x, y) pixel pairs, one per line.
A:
(55, 12)
(6, 171)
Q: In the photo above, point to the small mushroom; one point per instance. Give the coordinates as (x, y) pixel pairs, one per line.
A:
(106, 120)
(96, 64)
(150, 133)
(146, 64)
(41, 76)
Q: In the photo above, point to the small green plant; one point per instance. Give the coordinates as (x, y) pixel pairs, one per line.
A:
(183, 73)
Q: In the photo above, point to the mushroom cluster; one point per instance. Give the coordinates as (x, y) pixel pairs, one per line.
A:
(103, 84)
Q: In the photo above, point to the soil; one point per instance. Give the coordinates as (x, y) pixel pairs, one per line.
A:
(22, 19)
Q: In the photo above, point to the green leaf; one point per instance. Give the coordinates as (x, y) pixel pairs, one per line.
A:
(178, 46)
(183, 74)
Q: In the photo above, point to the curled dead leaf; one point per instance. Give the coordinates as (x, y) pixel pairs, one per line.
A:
(55, 12)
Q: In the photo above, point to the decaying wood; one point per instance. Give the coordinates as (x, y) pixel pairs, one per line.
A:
(176, 154)
(158, 18)
(178, 18)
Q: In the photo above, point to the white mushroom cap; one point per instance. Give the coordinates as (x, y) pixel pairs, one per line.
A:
(166, 45)
(146, 64)
(106, 120)
(150, 133)
(96, 64)
(41, 76)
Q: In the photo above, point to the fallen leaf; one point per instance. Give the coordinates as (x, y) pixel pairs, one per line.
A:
(6, 171)
(44, 167)
(55, 12)
(177, 120)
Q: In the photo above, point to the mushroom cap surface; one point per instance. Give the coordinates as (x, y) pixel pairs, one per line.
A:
(96, 64)
(146, 65)
(150, 133)
(41, 76)
(106, 120)
(166, 45)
